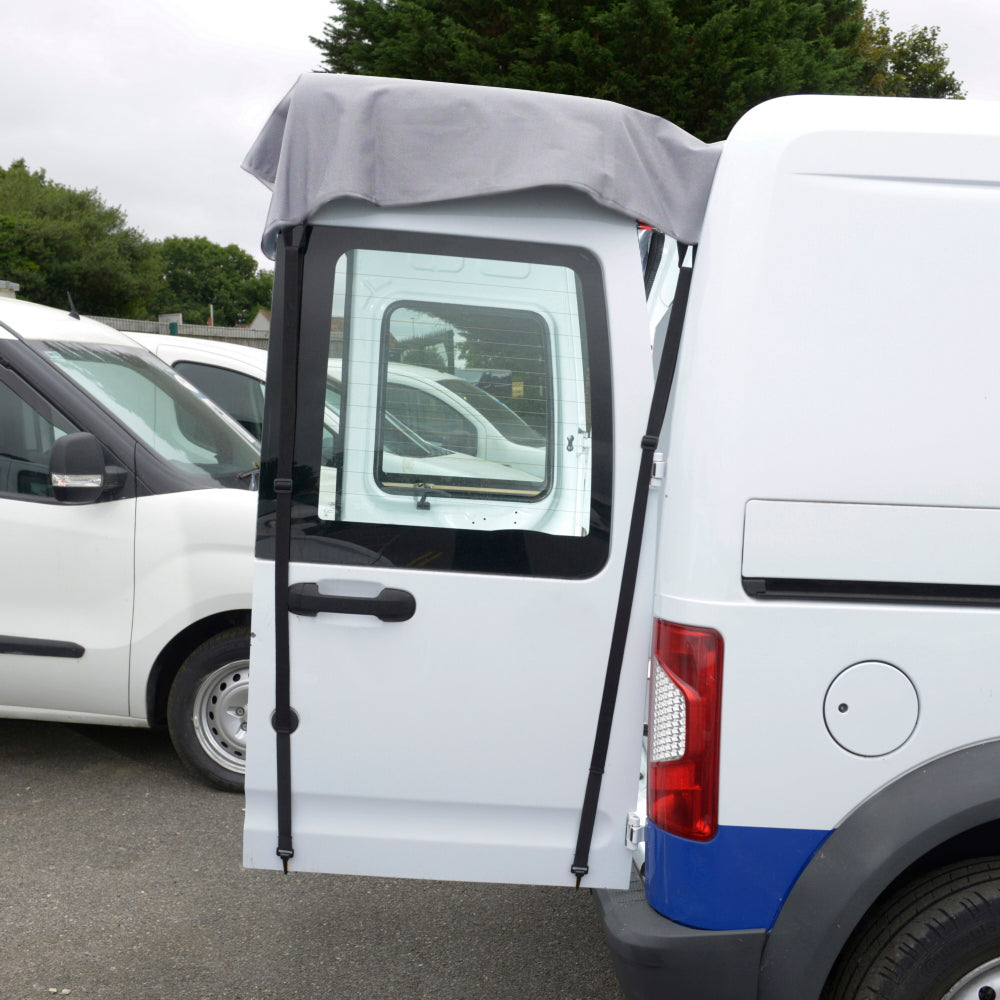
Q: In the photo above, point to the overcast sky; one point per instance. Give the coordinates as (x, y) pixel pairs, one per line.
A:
(155, 102)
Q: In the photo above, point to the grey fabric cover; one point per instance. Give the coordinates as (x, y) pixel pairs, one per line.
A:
(411, 142)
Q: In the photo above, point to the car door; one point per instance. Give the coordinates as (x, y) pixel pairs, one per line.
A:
(67, 587)
(450, 623)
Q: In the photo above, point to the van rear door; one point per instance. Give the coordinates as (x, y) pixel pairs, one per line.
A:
(449, 617)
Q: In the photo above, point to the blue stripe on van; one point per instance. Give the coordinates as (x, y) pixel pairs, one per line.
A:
(737, 880)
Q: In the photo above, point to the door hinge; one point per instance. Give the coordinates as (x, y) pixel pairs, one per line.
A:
(635, 831)
(658, 471)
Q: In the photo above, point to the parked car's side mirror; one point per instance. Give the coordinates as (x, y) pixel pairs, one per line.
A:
(76, 468)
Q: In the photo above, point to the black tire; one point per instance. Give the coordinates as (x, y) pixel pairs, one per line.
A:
(206, 710)
(937, 938)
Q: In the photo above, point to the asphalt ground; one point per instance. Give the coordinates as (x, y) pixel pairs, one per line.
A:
(121, 880)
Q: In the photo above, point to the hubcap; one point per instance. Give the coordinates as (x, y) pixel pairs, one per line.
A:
(980, 984)
(220, 715)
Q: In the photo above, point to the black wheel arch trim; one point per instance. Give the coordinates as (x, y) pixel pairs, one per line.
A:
(872, 847)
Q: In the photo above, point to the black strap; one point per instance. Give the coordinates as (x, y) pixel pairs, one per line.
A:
(284, 720)
(616, 655)
(653, 258)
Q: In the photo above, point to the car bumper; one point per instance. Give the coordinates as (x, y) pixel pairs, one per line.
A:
(657, 959)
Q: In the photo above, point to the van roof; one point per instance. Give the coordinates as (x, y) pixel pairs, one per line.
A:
(411, 142)
(37, 322)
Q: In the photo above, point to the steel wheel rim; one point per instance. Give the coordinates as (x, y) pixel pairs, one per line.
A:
(220, 715)
(985, 978)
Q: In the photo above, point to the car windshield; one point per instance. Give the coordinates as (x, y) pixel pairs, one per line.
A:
(502, 417)
(159, 408)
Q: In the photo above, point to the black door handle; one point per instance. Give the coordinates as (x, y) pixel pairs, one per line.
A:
(388, 606)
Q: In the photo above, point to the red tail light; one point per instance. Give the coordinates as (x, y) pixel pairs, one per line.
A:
(685, 707)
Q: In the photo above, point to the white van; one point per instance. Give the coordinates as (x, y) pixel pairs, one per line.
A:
(127, 518)
(801, 536)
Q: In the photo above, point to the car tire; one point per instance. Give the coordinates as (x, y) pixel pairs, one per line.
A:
(206, 710)
(937, 939)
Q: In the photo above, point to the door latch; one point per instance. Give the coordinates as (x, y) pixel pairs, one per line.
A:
(658, 471)
(635, 831)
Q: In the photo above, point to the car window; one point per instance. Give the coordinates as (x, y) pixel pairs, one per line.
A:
(26, 439)
(241, 396)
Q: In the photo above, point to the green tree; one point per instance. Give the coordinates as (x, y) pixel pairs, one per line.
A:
(55, 240)
(197, 272)
(905, 64)
(700, 63)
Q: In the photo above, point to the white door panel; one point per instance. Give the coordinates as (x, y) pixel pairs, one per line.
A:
(457, 743)
(459, 752)
(68, 577)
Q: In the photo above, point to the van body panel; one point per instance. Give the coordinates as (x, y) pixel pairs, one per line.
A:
(735, 881)
(77, 560)
(834, 361)
(872, 542)
(193, 546)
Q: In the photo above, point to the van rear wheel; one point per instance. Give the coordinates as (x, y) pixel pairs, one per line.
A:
(207, 709)
(938, 939)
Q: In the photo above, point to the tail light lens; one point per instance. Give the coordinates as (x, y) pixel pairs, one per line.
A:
(685, 707)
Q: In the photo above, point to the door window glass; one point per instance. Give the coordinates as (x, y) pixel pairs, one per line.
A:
(241, 396)
(26, 440)
(465, 382)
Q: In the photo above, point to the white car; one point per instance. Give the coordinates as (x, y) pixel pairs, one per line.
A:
(443, 409)
(128, 521)
(432, 429)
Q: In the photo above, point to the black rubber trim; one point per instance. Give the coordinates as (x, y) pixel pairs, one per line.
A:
(22, 646)
(656, 958)
(872, 847)
(390, 605)
(864, 591)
